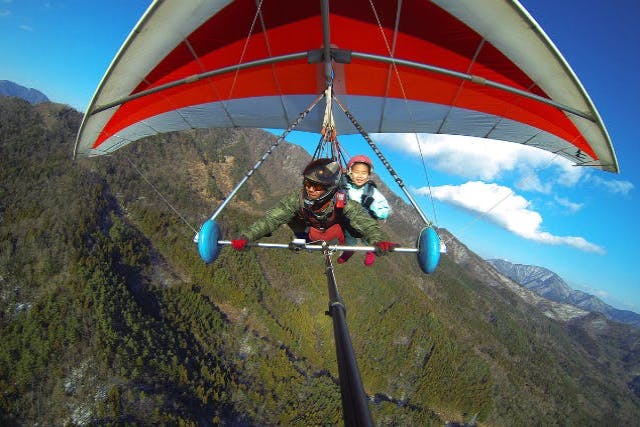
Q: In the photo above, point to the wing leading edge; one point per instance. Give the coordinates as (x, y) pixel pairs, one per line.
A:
(412, 66)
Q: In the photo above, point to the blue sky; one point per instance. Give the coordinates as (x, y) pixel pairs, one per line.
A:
(500, 199)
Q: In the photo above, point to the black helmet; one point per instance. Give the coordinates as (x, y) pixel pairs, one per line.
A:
(326, 172)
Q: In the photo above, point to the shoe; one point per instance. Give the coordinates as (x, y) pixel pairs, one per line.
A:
(369, 259)
(345, 256)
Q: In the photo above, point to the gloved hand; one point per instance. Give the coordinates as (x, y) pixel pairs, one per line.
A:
(382, 248)
(239, 244)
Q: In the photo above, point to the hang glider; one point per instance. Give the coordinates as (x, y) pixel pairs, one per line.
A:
(481, 68)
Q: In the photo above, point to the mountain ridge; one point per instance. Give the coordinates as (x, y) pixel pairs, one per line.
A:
(548, 284)
(108, 315)
(33, 96)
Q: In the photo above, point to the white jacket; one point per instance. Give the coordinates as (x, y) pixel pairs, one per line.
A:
(378, 209)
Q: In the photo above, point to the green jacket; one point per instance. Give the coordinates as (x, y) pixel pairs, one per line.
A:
(289, 210)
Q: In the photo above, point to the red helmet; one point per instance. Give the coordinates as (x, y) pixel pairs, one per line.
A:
(360, 158)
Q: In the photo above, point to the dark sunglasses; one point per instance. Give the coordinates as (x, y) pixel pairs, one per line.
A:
(315, 185)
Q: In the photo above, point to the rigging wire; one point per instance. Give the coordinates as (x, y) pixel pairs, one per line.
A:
(291, 127)
(481, 215)
(405, 97)
(276, 81)
(384, 161)
(389, 73)
(245, 46)
(426, 175)
(210, 82)
(257, 15)
(411, 119)
(328, 145)
(161, 195)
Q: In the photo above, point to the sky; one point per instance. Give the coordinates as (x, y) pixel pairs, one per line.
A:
(500, 199)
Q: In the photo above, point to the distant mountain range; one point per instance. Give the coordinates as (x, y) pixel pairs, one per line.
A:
(30, 95)
(549, 285)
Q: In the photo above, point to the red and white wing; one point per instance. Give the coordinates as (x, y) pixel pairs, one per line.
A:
(480, 68)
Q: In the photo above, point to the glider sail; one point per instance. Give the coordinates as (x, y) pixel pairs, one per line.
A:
(479, 68)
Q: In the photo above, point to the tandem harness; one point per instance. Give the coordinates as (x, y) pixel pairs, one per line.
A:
(328, 224)
(367, 198)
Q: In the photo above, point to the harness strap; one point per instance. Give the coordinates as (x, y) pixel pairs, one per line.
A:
(366, 199)
(328, 130)
(329, 235)
(325, 220)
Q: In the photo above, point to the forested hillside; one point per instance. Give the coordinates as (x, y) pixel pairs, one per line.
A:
(108, 316)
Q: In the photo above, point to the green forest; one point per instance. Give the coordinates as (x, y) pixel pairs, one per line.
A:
(109, 317)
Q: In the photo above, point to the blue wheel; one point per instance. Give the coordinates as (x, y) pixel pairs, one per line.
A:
(428, 250)
(208, 237)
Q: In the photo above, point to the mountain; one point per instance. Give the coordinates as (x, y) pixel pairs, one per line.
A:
(108, 316)
(549, 285)
(30, 95)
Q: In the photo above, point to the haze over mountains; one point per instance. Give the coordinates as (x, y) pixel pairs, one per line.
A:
(108, 316)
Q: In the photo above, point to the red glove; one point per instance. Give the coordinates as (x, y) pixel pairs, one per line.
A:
(382, 248)
(239, 244)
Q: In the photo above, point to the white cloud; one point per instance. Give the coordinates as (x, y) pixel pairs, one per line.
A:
(531, 182)
(26, 28)
(506, 209)
(612, 185)
(571, 207)
(570, 175)
(478, 158)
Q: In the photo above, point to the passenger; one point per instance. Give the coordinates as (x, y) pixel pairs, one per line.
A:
(320, 210)
(361, 189)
